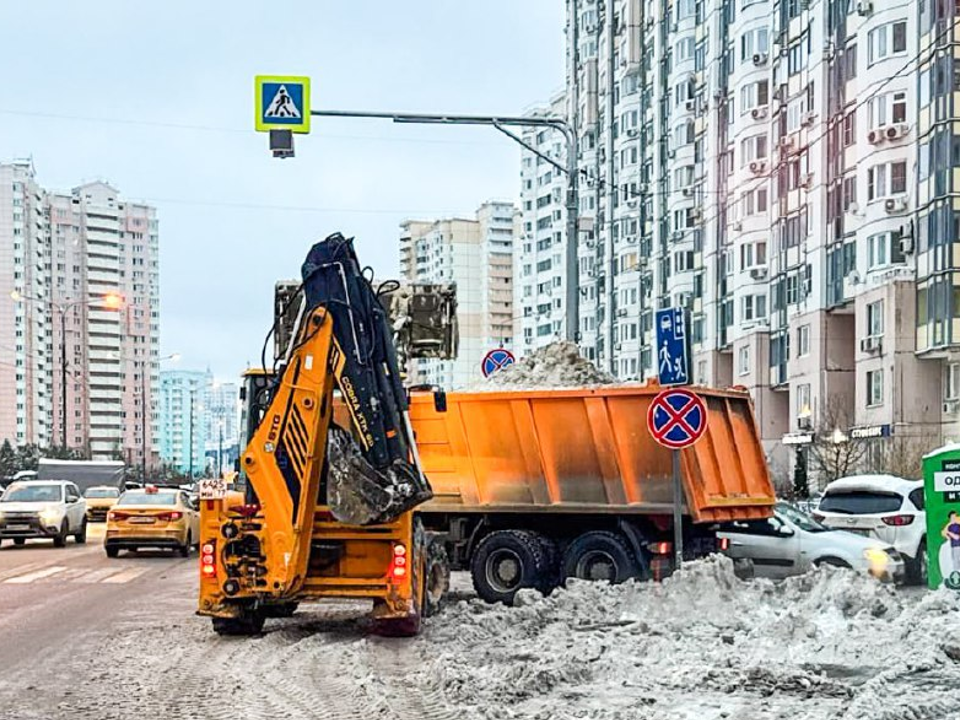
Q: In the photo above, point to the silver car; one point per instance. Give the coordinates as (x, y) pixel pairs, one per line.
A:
(791, 543)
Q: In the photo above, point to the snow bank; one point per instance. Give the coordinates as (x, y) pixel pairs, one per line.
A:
(705, 645)
(558, 365)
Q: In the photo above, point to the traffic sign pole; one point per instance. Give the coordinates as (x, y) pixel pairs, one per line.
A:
(677, 512)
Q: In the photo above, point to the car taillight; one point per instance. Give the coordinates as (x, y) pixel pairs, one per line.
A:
(117, 515)
(208, 559)
(398, 566)
(168, 516)
(724, 544)
(898, 520)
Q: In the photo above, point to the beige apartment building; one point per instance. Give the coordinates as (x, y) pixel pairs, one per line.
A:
(85, 267)
(477, 255)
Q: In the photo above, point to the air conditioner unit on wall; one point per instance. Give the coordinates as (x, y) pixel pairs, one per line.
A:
(875, 136)
(864, 8)
(896, 131)
(759, 113)
(758, 273)
(895, 205)
(759, 59)
(758, 166)
(906, 245)
(871, 345)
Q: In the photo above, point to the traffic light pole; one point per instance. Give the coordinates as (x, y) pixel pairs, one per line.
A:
(501, 122)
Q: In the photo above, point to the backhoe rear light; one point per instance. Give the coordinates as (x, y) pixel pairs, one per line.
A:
(898, 520)
(208, 559)
(724, 543)
(398, 566)
(663, 548)
(247, 511)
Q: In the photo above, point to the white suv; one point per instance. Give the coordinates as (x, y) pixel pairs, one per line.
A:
(886, 507)
(43, 509)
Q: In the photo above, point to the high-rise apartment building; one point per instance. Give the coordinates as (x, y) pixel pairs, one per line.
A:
(476, 254)
(783, 170)
(184, 419)
(26, 343)
(84, 267)
(221, 414)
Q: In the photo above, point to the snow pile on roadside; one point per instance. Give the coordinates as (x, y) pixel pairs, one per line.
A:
(557, 365)
(703, 645)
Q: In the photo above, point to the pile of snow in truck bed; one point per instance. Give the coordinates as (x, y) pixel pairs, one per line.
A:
(557, 365)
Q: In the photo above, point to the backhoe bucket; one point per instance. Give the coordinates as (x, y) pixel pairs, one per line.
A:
(360, 494)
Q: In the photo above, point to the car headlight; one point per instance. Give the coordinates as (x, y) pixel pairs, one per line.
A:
(51, 515)
(877, 558)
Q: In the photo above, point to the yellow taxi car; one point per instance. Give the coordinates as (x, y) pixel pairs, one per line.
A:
(100, 499)
(152, 517)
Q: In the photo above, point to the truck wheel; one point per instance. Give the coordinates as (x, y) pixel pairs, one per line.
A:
(250, 622)
(600, 555)
(81, 537)
(552, 553)
(60, 539)
(436, 578)
(506, 561)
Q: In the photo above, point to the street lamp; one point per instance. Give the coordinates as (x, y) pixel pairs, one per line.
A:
(145, 408)
(110, 301)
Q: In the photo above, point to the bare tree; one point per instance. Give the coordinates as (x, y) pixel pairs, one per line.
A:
(903, 456)
(833, 453)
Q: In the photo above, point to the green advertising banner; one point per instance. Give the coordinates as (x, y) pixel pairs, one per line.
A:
(941, 491)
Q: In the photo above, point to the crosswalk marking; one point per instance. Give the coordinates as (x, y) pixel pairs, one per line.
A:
(35, 575)
(95, 576)
(126, 575)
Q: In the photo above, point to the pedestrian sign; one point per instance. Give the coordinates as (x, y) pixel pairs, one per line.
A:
(677, 418)
(496, 360)
(673, 363)
(282, 103)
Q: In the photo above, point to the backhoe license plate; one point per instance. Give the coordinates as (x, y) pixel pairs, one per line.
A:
(212, 489)
(142, 520)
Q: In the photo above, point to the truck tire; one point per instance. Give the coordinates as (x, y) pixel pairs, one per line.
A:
(551, 551)
(250, 622)
(600, 555)
(436, 578)
(506, 561)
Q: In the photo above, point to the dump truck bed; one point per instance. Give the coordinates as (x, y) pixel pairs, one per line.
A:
(586, 450)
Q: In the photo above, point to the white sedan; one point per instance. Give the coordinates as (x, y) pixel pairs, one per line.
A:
(791, 543)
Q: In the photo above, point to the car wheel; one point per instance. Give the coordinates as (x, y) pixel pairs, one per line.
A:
(19, 541)
(185, 548)
(112, 551)
(917, 567)
(506, 561)
(60, 540)
(81, 536)
(600, 555)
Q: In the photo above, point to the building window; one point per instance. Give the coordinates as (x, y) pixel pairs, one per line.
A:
(885, 41)
(875, 319)
(884, 249)
(888, 108)
(754, 41)
(951, 381)
(850, 128)
(886, 179)
(754, 202)
(753, 148)
(803, 341)
(803, 400)
(874, 388)
(754, 95)
(743, 362)
(753, 307)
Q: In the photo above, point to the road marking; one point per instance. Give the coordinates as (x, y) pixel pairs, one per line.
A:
(36, 575)
(96, 576)
(20, 570)
(126, 576)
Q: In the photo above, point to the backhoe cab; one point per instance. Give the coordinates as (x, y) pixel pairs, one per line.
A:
(324, 511)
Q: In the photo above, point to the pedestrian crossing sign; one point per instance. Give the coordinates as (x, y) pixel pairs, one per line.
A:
(282, 103)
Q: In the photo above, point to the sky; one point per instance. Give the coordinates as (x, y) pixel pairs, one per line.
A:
(157, 99)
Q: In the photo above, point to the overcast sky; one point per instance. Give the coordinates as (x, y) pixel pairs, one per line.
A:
(98, 89)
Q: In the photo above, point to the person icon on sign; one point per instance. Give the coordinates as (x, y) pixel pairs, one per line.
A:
(951, 533)
(665, 359)
(282, 101)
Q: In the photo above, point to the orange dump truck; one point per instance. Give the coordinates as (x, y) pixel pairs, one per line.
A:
(533, 487)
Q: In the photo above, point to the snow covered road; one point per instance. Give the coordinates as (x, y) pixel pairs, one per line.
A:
(701, 646)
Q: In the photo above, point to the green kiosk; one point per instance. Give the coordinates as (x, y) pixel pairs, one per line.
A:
(941, 483)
